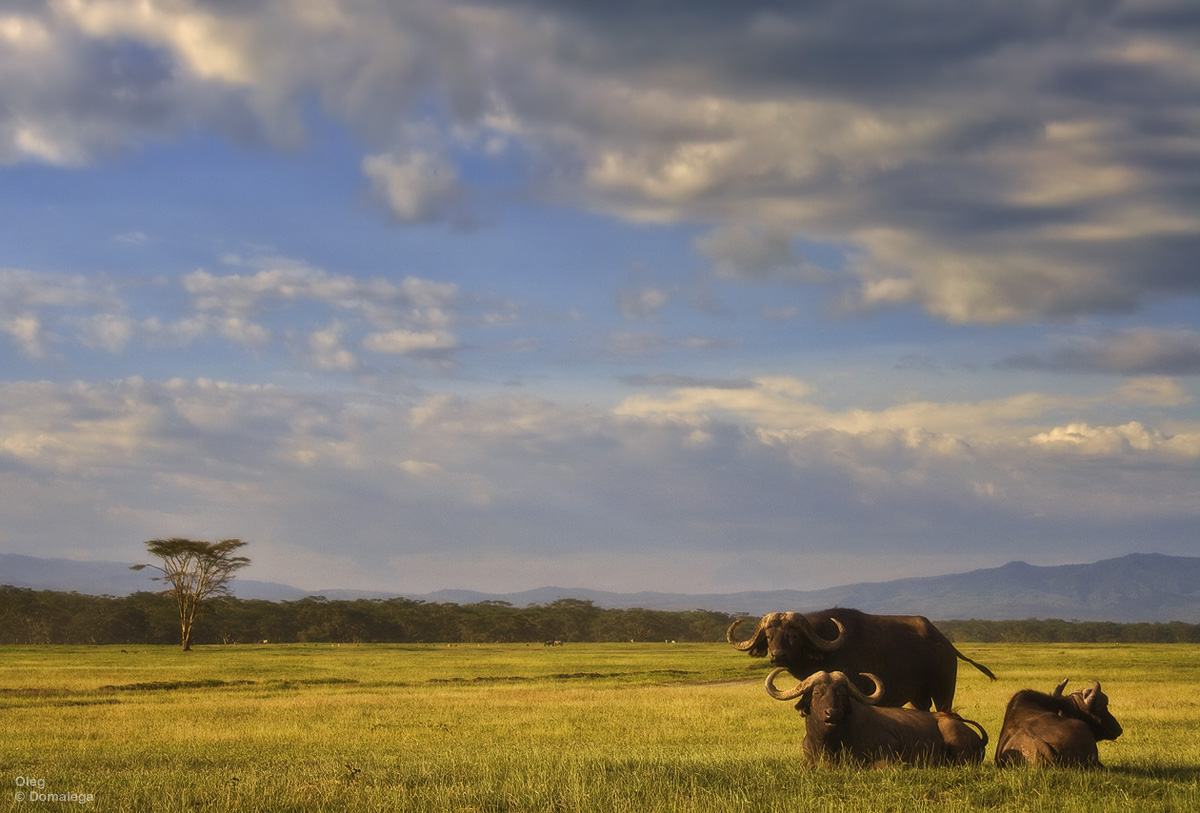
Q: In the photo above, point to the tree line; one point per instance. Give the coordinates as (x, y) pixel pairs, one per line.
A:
(53, 617)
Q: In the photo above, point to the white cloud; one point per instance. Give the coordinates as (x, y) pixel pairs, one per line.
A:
(78, 427)
(401, 342)
(40, 313)
(403, 317)
(178, 333)
(212, 47)
(111, 332)
(132, 238)
(242, 331)
(20, 290)
(245, 295)
(418, 468)
(327, 351)
(643, 303)
(782, 410)
(1152, 390)
(739, 251)
(1118, 441)
(772, 402)
(27, 331)
(381, 302)
(32, 305)
(415, 188)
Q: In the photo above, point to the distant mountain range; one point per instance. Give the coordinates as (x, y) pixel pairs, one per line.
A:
(1138, 587)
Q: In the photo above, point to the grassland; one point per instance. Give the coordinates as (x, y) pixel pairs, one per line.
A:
(605, 727)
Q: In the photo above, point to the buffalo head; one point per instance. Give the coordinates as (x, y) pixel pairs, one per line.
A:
(1092, 707)
(825, 694)
(783, 635)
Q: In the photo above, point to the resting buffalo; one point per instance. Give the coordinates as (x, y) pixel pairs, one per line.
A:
(914, 659)
(1049, 729)
(842, 723)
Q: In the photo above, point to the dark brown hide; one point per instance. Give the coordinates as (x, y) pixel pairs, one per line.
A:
(1049, 729)
(963, 744)
(915, 661)
(842, 725)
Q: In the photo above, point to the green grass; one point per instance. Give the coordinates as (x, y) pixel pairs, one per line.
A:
(604, 727)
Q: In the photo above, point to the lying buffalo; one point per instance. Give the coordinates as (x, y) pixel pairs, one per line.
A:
(843, 724)
(916, 662)
(1049, 729)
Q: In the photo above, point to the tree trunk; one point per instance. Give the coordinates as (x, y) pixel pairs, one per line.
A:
(187, 620)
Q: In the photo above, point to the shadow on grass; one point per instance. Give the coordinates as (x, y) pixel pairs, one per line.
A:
(171, 685)
(1172, 773)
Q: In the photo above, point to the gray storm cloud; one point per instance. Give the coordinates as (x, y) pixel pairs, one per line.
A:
(990, 162)
(1143, 351)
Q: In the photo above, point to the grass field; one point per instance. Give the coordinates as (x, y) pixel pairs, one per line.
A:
(604, 727)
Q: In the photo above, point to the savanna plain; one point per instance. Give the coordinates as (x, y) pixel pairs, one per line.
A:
(515, 727)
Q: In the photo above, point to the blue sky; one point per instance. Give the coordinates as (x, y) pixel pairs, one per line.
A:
(682, 296)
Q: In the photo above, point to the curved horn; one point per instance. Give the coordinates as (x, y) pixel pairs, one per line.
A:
(982, 732)
(817, 642)
(790, 694)
(749, 643)
(857, 693)
(1090, 694)
(1058, 690)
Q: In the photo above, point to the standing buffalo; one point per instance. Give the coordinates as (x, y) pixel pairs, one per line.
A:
(916, 662)
(1049, 729)
(843, 724)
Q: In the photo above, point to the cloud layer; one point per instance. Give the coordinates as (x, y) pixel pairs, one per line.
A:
(986, 161)
(413, 317)
(684, 476)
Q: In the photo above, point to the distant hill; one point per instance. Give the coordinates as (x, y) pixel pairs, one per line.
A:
(111, 578)
(1137, 587)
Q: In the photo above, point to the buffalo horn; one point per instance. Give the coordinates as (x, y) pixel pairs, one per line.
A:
(1058, 690)
(790, 694)
(823, 644)
(857, 693)
(742, 645)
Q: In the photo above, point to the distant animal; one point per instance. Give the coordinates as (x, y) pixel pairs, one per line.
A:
(916, 662)
(1049, 729)
(843, 724)
(552, 643)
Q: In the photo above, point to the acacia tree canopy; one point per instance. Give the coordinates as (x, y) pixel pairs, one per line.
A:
(195, 571)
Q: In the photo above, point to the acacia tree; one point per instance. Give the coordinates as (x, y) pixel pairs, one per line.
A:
(196, 571)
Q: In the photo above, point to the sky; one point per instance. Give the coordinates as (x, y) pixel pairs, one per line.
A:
(675, 295)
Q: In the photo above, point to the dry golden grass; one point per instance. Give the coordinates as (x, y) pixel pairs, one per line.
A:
(586, 727)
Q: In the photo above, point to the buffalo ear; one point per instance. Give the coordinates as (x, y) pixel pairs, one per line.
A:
(804, 704)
